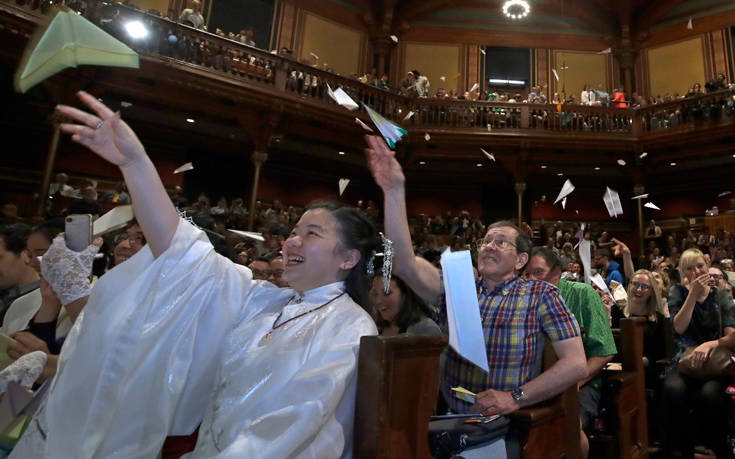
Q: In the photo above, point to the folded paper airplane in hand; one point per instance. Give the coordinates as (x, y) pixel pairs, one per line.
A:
(69, 40)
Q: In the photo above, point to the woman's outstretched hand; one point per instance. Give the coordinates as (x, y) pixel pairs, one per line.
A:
(102, 131)
(382, 162)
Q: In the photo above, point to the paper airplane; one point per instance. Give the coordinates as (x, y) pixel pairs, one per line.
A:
(482, 51)
(314, 56)
(564, 203)
(184, 168)
(427, 137)
(651, 205)
(556, 75)
(343, 182)
(394, 38)
(113, 220)
(566, 190)
(443, 78)
(606, 51)
(364, 126)
(690, 25)
(621, 162)
(489, 155)
(69, 40)
(248, 234)
(342, 98)
(408, 117)
(391, 133)
(640, 196)
(643, 155)
(612, 202)
(474, 86)
(464, 394)
(724, 193)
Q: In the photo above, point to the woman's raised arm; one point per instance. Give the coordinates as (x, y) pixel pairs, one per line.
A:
(111, 138)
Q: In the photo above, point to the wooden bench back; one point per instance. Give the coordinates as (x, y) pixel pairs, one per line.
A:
(397, 388)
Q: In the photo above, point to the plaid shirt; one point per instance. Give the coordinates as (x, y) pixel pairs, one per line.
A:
(515, 316)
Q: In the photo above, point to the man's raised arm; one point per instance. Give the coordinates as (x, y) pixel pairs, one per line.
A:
(420, 275)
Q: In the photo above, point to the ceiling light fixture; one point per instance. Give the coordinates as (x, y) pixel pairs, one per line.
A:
(516, 9)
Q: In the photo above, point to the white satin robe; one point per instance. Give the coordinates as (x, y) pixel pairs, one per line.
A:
(164, 344)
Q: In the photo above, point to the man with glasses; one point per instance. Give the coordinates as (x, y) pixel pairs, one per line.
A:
(597, 338)
(516, 313)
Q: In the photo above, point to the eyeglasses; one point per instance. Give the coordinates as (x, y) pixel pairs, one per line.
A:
(638, 285)
(717, 276)
(135, 238)
(498, 243)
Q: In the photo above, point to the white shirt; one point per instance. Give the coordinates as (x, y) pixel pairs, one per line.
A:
(180, 345)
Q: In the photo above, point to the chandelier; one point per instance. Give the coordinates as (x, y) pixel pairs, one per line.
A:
(516, 9)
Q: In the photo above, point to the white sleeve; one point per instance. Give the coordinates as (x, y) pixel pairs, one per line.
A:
(140, 363)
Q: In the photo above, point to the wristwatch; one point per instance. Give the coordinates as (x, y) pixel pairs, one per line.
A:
(518, 395)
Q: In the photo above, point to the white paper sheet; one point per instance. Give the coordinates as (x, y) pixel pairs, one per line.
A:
(463, 310)
(341, 97)
(651, 205)
(248, 234)
(600, 283)
(113, 220)
(489, 155)
(183, 168)
(611, 198)
(586, 257)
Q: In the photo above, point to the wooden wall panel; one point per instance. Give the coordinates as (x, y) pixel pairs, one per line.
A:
(472, 68)
(286, 26)
(674, 68)
(542, 72)
(434, 60)
(716, 55)
(338, 46)
(583, 68)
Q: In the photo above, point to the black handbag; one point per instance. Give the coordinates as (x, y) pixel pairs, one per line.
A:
(452, 434)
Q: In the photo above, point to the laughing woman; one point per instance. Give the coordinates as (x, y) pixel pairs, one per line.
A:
(179, 336)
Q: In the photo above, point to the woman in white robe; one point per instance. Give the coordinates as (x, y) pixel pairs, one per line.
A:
(179, 336)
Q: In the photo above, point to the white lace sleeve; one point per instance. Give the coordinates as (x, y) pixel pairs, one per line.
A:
(68, 271)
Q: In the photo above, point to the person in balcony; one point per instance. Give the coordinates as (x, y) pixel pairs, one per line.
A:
(619, 98)
(193, 16)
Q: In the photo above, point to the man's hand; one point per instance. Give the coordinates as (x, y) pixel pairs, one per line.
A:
(25, 343)
(382, 162)
(492, 402)
(620, 248)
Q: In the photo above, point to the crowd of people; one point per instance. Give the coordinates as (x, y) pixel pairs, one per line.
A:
(206, 314)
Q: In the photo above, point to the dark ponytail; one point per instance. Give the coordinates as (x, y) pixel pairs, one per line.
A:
(356, 232)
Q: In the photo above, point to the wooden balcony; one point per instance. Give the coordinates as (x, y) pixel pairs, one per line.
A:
(232, 81)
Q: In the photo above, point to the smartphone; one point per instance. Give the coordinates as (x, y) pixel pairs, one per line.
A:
(78, 231)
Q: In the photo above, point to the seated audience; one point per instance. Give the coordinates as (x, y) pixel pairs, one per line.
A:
(597, 338)
(117, 196)
(87, 204)
(400, 310)
(703, 318)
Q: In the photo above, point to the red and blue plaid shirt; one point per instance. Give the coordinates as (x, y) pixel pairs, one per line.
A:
(515, 317)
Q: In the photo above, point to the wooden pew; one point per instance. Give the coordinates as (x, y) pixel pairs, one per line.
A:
(550, 429)
(624, 398)
(397, 389)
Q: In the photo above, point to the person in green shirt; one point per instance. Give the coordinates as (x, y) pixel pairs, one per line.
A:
(597, 338)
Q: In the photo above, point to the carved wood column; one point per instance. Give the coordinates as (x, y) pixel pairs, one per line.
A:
(258, 158)
(520, 187)
(49, 164)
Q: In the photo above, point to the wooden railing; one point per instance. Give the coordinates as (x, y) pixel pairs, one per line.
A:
(167, 39)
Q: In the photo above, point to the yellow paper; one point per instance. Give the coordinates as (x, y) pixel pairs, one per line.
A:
(462, 390)
(69, 40)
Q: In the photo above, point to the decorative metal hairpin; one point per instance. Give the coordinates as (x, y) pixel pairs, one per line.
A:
(387, 255)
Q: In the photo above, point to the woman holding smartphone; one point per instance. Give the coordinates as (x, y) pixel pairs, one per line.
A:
(179, 336)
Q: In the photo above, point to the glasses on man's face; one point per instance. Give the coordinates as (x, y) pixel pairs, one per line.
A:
(716, 276)
(640, 286)
(497, 242)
